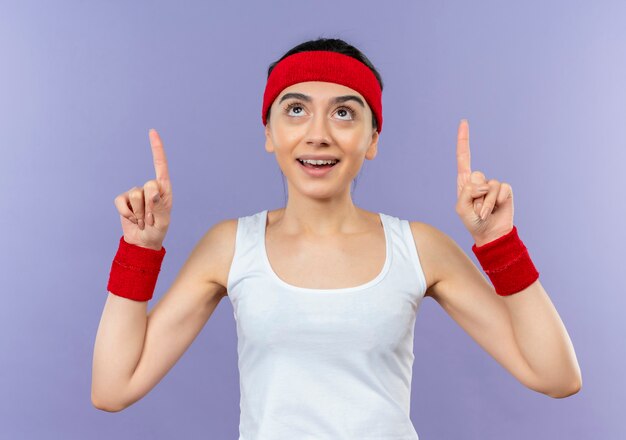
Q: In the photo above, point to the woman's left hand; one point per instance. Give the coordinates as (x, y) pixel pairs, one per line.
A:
(486, 213)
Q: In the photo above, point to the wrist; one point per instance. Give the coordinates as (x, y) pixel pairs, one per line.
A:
(152, 247)
(483, 240)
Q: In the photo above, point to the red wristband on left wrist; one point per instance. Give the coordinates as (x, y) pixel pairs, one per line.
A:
(507, 263)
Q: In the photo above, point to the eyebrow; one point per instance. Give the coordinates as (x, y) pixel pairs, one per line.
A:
(336, 100)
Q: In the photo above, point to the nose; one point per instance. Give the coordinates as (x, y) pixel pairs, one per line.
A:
(318, 131)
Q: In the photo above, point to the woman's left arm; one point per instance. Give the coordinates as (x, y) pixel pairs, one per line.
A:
(543, 340)
(522, 332)
(486, 209)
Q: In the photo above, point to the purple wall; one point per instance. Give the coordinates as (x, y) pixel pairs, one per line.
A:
(542, 84)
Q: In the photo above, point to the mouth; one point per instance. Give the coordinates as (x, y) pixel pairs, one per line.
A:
(319, 167)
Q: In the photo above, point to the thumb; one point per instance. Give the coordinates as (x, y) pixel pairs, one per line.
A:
(478, 179)
(155, 202)
(471, 194)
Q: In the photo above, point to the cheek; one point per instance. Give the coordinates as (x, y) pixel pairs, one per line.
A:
(287, 139)
(351, 139)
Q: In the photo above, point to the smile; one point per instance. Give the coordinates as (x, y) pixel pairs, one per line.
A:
(316, 170)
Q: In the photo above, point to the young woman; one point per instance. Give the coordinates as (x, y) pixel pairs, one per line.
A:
(325, 293)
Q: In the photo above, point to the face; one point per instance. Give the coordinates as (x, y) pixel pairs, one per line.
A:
(317, 125)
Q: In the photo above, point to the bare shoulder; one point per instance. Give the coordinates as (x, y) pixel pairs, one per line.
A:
(434, 246)
(215, 251)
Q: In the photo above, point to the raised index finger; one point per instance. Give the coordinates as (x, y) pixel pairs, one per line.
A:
(463, 149)
(160, 161)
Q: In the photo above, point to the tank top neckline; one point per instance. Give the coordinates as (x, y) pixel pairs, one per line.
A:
(381, 275)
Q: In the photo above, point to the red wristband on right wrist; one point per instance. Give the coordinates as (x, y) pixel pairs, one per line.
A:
(134, 271)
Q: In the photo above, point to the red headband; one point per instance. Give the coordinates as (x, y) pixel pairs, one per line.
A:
(328, 66)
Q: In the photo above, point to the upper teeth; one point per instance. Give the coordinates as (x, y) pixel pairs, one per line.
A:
(318, 162)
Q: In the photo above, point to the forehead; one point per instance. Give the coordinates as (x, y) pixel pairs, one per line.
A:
(320, 90)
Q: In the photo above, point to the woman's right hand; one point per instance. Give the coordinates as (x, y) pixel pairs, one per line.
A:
(145, 212)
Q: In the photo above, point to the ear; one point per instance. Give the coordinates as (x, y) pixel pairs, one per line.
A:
(372, 150)
(269, 145)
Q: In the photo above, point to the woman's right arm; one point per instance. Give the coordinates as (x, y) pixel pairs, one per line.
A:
(134, 350)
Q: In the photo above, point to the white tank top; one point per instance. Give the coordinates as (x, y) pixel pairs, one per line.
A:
(325, 364)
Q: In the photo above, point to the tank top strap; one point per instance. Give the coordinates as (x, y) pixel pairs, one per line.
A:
(246, 259)
(406, 265)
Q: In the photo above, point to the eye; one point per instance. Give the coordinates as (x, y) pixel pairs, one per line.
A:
(296, 105)
(348, 109)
